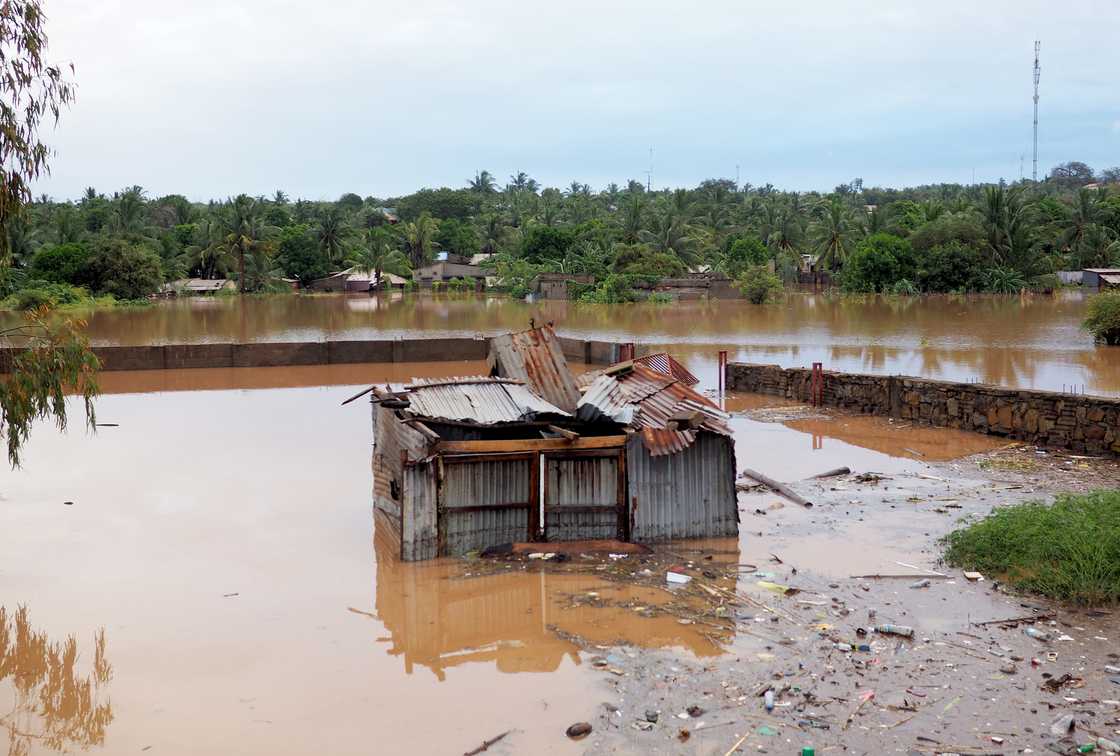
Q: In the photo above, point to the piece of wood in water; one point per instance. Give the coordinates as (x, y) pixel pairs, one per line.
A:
(777, 487)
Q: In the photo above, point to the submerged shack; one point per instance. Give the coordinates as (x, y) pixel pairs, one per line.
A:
(461, 464)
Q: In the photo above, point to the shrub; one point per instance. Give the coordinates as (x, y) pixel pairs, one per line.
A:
(1068, 550)
(61, 263)
(951, 266)
(613, 289)
(1004, 281)
(742, 254)
(905, 288)
(759, 285)
(123, 269)
(37, 294)
(1103, 318)
(877, 263)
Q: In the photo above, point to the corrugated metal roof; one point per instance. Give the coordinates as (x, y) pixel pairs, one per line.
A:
(535, 357)
(655, 399)
(663, 363)
(1110, 278)
(477, 399)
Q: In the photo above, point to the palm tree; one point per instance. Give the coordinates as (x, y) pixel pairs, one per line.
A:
(209, 255)
(832, 233)
(519, 180)
(549, 206)
(332, 233)
(1007, 219)
(483, 183)
(1084, 215)
(633, 218)
(377, 254)
(418, 238)
(493, 232)
(280, 197)
(129, 210)
(245, 237)
(671, 235)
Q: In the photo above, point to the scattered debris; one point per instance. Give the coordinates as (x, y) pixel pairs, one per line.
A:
(578, 731)
(676, 577)
(777, 487)
(487, 743)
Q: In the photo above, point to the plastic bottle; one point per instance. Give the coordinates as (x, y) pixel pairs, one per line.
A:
(1108, 745)
(844, 647)
(769, 699)
(808, 751)
(1039, 635)
(903, 630)
(921, 584)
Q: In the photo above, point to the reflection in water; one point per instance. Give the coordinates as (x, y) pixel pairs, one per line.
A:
(54, 706)
(522, 620)
(896, 439)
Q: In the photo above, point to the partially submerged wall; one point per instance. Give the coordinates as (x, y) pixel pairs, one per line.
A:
(282, 353)
(1075, 422)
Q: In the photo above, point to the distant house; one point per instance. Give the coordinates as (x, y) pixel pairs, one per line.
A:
(349, 280)
(448, 270)
(555, 285)
(193, 287)
(1100, 278)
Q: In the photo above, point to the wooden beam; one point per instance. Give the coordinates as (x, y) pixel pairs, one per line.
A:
(530, 444)
(570, 435)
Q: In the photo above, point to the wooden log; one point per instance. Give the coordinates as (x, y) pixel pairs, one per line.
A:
(777, 487)
(834, 473)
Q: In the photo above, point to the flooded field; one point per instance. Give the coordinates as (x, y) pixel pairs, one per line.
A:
(1029, 342)
(220, 536)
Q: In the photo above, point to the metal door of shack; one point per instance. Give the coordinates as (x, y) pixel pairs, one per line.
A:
(486, 499)
(585, 495)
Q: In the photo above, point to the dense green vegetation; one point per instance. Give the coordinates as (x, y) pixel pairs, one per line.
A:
(938, 238)
(1068, 550)
(1103, 317)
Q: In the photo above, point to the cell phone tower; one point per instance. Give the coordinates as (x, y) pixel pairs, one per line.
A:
(1037, 72)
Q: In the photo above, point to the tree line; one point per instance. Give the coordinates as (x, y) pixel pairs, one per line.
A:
(934, 238)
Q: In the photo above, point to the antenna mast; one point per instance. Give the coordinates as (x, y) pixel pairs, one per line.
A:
(1037, 72)
(649, 173)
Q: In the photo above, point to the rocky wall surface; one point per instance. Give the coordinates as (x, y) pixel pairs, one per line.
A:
(1066, 421)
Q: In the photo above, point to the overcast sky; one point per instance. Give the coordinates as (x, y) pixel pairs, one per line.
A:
(211, 98)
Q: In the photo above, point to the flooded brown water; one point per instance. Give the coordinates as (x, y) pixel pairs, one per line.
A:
(221, 537)
(1028, 342)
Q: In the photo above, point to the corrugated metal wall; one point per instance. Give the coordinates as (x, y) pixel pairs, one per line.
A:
(690, 494)
(574, 485)
(419, 533)
(484, 502)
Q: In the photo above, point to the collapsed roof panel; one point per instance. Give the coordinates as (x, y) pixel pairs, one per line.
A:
(535, 357)
(477, 399)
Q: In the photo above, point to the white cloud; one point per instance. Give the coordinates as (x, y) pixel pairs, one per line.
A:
(214, 97)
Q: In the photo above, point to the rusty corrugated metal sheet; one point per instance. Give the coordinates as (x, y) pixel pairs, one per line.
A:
(686, 494)
(573, 485)
(535, 357)
(656, 398)
(478, 399)
(663, 362)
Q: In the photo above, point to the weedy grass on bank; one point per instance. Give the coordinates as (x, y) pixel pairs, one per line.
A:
(1068, 550)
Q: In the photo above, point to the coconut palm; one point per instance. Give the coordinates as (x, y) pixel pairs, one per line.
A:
(209, 254)
(832, 233)
(483, 183)
(332, 233)
(493, 232)
(633, 217)
(671, 235)
(1084, 215)
(377, 254)
(128, 210)
(419, 235)
(245, 241)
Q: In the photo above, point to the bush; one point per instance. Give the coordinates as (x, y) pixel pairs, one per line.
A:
(905, 288)
(38, 293)
(877, 263)
(742, 254)
(951, 267)
(123, 269)
(61, 263)
(613, 289)
(1004, 281)
(1068, 550)
(759, 285)
(1103, 318)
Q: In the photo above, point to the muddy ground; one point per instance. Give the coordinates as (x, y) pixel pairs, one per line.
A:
(965, 683)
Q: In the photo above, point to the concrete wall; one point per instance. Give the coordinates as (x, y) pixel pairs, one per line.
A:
(1079, 423)
(275, 353)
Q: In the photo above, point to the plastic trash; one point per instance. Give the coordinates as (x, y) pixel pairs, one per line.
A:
(1110, 746)
(808, 751)
(924, 583)
(844, 647)
(1038, 635)
(1111, 669)
(676, 577)
(1087, 748)
(903, 630)
(1062, 726)
(769, 700)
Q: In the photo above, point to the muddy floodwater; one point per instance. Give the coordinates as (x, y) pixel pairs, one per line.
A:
(213, 555)
(1027, 342)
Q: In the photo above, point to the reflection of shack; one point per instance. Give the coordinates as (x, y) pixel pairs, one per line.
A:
(466, 463)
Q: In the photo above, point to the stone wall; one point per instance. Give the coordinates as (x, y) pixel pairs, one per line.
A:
(1079, 423)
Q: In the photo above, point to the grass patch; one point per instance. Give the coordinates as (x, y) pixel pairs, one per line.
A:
(1068, 550)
